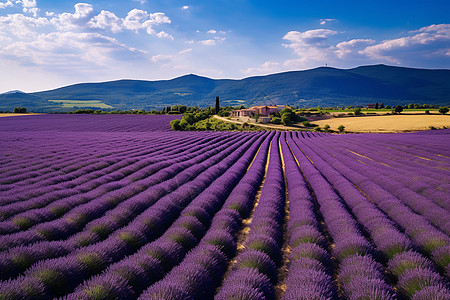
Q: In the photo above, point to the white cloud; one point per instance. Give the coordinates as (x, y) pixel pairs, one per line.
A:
(142, 2)
(209, 42)
(106, 20)
(164, 35)
(325, 21)
(311, 46)
(21, 26)
(134, 19)
(212, 31)
(6, 4)
(67, 21)
(138, 19)
(63, 50)
(428, 43)
(267, 67)
(185, 7)
(184, 51)
(161, 58)
(352, 46)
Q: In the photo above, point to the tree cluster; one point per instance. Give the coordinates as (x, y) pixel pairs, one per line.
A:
(20, 110)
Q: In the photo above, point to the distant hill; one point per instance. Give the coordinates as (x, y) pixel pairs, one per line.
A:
(12, 92)
(316, 87)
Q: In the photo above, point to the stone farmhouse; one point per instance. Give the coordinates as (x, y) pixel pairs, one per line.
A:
(262, 111)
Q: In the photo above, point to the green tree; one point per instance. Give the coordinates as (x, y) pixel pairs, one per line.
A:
(443, 110)
(341, 128)
(388, 107)
(326, 128)
(357, 111)
(286, 118)
(411, 106)
(398, 109)
(20, 110)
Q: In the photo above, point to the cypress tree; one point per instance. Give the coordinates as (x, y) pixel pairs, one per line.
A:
(217, 105)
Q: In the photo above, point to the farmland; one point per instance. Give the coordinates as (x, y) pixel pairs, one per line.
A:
(121, 207)
(388, 123)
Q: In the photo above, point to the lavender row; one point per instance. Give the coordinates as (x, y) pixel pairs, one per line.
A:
(100, 228)
(391, 173)
(92, 259)
(221, 236)
(350, 248)
(261, 252)
(88, 123)
(205, 261)
(310, 268)
(158, 152)
(411, 270)
(416, 226)
(115, 193)
(133, 171)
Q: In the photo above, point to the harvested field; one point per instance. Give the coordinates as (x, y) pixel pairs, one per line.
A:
(388, 123)
(16, 115)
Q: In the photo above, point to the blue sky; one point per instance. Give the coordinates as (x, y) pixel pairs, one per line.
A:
(47, 44)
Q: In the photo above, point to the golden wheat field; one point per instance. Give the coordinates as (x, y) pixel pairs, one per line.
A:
(388, 123)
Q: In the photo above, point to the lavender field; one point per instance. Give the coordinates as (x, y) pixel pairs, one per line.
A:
(121, 207)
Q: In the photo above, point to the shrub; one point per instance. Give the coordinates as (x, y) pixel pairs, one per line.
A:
(427, 112)
(357, 111)
(175, 124)
(326, 128)
(276, 120)
(22, 110)
(398, 109)
(443, 110)
(341, 128)
(286, 118)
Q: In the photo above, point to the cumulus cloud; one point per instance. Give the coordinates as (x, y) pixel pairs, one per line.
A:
(429, 45)
(21, 26)
(6, 4)
(325, 21)
(212, 31)
(106, 20)
(64, 49)
(138, 19)
(311, 46)
(185, 7)
(164, 35)
(67, 21)
(428, 42)
(352, 46)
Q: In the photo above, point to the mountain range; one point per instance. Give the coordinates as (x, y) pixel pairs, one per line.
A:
(322, 86)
